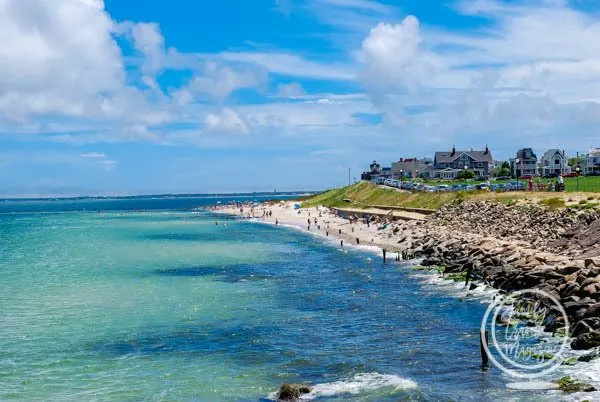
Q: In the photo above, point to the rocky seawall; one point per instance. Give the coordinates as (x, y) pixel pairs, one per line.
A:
(519, 247)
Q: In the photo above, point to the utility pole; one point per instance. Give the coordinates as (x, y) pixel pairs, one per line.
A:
(348, 176)
(577, 170)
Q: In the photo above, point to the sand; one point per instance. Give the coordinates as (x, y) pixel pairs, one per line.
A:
(327, 224)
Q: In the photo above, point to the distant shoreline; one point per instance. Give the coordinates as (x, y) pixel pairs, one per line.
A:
(157, 196)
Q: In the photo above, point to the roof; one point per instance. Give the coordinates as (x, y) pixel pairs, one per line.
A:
(521, 153)
(478, 156)
(550, 153)
(594, 152)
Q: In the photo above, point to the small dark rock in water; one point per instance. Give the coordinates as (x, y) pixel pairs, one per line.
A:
(292, 392)
(570, 385)
(589, 357)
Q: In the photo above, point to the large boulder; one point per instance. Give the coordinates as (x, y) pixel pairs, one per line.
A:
(592, 311)
(586, 341)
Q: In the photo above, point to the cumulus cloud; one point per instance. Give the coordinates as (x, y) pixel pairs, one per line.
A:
(56, 57)
(532, 73)
(227, 121)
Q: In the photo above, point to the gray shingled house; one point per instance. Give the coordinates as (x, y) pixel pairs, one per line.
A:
(447, 165)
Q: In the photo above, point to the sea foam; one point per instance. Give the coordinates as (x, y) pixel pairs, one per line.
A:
(362, 382)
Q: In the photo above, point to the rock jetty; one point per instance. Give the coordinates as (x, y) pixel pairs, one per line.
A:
(519, 247)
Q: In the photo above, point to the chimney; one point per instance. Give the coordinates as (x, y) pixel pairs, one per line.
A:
(487, 150)
(453, 150)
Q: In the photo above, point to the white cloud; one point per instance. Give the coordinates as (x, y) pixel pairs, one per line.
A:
(227, 121)
(148, 40)
(217, 82)
(293, 65)
(93, 155)
(290, 90)
(108, 165)
(391, 53)
(49, 46)
(531, 75)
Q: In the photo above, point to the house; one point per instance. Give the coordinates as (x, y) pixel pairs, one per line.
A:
(527, 163)
(372, 173)
(447, 165)
(410, 167)
(554, 163)
(375, 171)
(592, 162)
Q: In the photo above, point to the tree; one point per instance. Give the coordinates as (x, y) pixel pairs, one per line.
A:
(505, 165)
(466, 174)
(504, 172)
(576, 161)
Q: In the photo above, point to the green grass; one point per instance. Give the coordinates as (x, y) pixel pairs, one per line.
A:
(364, 194)
(553, 203)
(589, 184)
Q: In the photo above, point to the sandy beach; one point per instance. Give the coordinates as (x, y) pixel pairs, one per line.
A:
(382, 233)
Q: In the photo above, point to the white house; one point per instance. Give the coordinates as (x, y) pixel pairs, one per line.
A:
(592, 162)
(554, 163)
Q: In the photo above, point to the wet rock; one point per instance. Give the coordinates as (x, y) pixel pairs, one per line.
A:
(589, 357)
(568, 270)
(570, 385)
(292, 392)
(586, 341)
(585, 326)
(592, 311)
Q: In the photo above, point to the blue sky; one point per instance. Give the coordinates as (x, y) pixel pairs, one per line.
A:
(235, 95)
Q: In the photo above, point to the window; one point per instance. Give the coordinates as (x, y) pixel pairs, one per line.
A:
(557, 161)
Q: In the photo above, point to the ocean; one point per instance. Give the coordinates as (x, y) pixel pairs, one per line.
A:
(149, 299)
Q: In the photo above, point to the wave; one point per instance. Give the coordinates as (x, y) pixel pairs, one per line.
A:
(360, 383)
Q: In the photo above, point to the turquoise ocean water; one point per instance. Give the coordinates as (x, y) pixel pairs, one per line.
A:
(145, 299)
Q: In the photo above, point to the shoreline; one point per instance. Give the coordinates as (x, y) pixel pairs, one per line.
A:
(328, 225)
(505, 247)
(540, 263)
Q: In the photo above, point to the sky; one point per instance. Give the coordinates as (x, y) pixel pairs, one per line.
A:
(198, 96)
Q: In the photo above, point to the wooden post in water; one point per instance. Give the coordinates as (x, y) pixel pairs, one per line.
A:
(384, 255)
(484, 355)
(342, 243)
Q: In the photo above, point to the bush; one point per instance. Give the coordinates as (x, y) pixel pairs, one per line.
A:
(466, 174)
